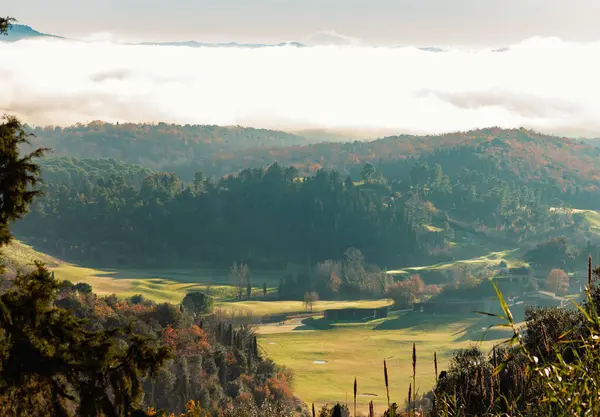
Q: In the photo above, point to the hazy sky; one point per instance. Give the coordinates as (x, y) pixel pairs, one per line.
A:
(383, 22)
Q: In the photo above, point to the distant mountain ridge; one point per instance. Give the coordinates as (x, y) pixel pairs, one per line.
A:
(18, 32)
(195, 44)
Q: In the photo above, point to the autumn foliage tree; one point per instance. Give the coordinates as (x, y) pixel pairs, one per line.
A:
(557, 282)
(407, 291)
(334, 282)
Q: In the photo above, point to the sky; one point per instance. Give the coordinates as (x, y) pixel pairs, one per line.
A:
(372, 22)
(546, 80)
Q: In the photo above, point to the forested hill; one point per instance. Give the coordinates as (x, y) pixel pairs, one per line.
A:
(567, 164)
(531, 156)
(167, 147)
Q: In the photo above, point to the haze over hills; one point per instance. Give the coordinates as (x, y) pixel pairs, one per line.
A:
(20, 32)
(216, 150)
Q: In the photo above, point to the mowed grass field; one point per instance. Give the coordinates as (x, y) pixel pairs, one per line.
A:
(358, 350)
(171, 285)
(160, 285)
(511, 257)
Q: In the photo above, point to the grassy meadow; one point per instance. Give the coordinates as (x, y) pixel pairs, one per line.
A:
(171, 285)
(348, 349)
(358, 349)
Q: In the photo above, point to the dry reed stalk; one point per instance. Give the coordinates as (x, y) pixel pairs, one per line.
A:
(435, 366)
(493, 376)
(313, 410)
(414, 383)
(387, 386)
(409, 397)
(355, 389)
(590, 272)
(483, 388)
(371, 409)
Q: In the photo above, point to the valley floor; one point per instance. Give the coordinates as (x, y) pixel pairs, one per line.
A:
(324, 356)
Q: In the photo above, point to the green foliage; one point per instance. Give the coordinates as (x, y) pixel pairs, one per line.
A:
(162, 146)
(52, 364)
(197, 303)
(6, 24)
(552, 252)
(550, 367)
(18, 174)
(262, 217)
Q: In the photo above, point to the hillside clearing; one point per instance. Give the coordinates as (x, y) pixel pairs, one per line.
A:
(510, 256)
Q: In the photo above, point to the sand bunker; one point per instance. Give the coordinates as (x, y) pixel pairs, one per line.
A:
(320, 362)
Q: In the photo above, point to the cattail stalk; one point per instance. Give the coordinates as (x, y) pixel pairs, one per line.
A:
(355, 389)
(414, 383)
(387, 386)
(493, 378)
(409, 397)
(435, 366)
(590, 272)
(313, 410)
(371, 409)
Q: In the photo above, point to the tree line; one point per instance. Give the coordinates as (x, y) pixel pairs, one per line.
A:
(399, 213)
(259, 217)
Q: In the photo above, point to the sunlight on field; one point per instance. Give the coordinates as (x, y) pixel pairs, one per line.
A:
(358, 350)
(17, 255)
(266, 308)
(493, 258)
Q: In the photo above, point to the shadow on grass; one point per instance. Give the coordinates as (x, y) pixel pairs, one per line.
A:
(312, 323)
(418, 321)
(481, 329)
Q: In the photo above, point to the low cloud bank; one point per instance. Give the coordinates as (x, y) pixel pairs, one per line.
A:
(541, 83)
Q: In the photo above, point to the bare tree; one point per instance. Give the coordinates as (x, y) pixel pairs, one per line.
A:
(240, 277)
(310, 298)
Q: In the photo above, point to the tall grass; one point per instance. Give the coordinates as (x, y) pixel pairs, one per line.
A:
(515, 379)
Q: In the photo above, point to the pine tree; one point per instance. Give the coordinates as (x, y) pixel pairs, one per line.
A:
(19, 175)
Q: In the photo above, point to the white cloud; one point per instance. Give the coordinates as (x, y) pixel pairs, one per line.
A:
(546, 84)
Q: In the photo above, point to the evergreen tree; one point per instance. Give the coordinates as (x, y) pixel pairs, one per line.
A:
(19, 175)
(6, 24)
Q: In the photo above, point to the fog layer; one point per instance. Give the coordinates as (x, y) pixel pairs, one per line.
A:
(541, 83)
